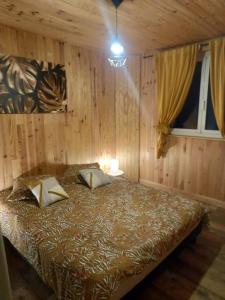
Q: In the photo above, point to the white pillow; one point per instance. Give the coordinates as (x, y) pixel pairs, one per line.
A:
(95, 177)
(47, 191)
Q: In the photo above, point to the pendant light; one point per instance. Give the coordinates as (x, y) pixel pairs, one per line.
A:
(117, 57)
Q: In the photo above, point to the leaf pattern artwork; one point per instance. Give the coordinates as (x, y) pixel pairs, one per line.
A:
(52, 90)
(31, 86)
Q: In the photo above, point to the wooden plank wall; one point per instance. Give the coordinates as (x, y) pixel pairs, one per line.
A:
(193, 165)
(103, 122)
(127, 116)
(88, 132)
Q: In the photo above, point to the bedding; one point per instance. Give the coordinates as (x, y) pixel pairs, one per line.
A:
(46, 190)
(94, 177)
(72, 172)
(20, 190)
(86, 246)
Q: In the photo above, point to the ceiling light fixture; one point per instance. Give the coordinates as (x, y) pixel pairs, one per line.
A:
(117, 57)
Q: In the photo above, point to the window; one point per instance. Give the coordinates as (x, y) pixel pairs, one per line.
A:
(197, 116)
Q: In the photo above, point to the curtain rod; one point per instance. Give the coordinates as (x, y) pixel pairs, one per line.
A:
(201, 44)
(147, 56)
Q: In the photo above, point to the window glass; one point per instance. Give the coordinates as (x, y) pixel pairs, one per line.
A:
(210, 123)
(188, 118)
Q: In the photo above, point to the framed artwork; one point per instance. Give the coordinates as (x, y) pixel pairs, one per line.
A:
(31, 86)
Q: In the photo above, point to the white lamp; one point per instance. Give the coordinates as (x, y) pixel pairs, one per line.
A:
(114, 168)
(114, 165)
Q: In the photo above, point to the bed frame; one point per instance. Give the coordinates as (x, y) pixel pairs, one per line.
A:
(128, 284)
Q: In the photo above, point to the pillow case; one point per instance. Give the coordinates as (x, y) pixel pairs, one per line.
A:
(46, 190)
(95, 177)
(71, 174)
(20, 190)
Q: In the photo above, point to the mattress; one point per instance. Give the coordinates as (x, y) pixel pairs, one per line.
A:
(90, 245)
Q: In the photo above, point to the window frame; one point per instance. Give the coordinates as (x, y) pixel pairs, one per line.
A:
(200, 131)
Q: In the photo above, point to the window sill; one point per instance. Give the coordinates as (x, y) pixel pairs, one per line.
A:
(207, 135)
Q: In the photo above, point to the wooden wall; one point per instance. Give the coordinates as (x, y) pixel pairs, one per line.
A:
(128, 80)
(111, 113)
(193, 165)
(90, 130)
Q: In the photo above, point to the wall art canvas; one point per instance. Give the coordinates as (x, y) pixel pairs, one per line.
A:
(31, 86)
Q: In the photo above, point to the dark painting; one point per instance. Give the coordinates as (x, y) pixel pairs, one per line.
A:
(31, 86)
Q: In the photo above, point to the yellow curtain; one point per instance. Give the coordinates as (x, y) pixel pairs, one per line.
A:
(217, 76)
(175, 70)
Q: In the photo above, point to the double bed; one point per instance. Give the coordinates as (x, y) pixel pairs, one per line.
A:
(99, 244)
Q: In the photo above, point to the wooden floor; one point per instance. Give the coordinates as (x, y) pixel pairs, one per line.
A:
(195, 272)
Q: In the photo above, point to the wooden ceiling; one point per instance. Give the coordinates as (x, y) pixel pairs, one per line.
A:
(144, 25)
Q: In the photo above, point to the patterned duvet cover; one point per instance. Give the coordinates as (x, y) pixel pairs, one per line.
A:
(83, 247)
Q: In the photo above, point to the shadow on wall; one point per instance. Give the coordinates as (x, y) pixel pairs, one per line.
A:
(46, 169)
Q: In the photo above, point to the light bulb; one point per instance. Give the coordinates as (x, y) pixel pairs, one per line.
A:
(116, 48)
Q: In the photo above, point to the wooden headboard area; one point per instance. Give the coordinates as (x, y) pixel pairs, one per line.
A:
(88, 131)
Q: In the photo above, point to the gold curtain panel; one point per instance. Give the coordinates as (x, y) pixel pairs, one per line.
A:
(175, 70)
(217, 78)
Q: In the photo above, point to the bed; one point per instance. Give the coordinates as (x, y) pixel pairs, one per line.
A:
(99, 244)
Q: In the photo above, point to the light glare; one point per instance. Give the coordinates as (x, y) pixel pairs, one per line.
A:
(114, 165)
(117, 48)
